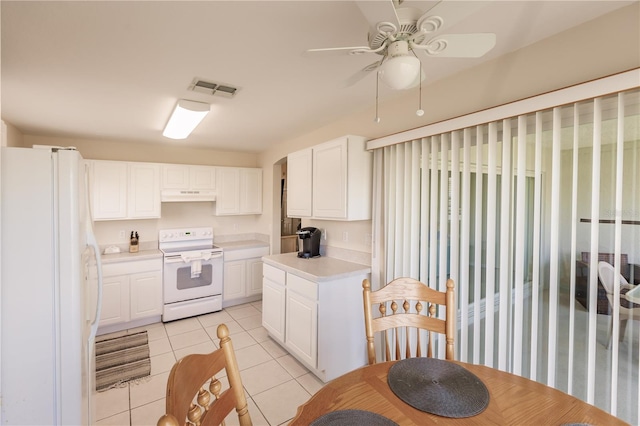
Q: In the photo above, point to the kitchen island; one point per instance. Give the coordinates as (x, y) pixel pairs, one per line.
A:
(313, 308)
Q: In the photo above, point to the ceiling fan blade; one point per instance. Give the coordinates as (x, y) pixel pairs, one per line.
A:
(353, 50)
(378, 11)
(460, 45)
(362, 74)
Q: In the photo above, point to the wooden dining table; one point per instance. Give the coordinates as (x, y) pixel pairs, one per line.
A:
(513, 400)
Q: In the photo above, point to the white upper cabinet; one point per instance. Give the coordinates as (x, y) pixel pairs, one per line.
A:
(187, 177)
(203, 177)
(331, 181)
(299, 176)
(239, 191)
(251, 191)
(109, 190)
(144, 191)
(122, 190)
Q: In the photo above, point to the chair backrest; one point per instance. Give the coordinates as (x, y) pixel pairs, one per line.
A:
(406, 307)
(609, 258)
(607, 275)
(188, 400)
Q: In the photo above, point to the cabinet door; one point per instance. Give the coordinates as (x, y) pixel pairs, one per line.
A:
(109, 190)
(115, 300)
(202, 177)
(175, 176)
(228, 199)
(301, 328)
(254, 276)
(234, 279)
(299, 167)
(273, 303)
(144, 190)
(146, 294)
(250, 191)
(330, 180)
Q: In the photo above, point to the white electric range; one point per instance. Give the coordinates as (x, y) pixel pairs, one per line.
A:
(192, 273)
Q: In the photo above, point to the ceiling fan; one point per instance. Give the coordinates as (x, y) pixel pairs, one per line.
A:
(404, 36)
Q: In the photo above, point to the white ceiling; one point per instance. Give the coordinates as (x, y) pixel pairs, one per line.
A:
(114, 70)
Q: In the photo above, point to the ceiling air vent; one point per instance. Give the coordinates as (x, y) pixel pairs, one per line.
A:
(211, 88)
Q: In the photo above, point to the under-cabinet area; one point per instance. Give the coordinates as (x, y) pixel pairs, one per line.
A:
(313, 308)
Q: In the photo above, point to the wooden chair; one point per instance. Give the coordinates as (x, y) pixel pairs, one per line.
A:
(412, 307)
(189, 403)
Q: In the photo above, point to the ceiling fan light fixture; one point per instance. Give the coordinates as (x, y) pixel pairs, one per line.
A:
(400, 72)
(185, 118)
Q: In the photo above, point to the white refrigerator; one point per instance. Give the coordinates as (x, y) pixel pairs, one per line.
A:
(50, 289)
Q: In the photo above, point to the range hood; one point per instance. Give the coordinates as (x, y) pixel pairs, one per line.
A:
(181, 195)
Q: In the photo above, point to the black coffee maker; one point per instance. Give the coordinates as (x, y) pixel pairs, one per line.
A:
(310, 242)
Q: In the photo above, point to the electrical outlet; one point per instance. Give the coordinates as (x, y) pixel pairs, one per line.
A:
(345, 236)
(123, 235)
(324, 234)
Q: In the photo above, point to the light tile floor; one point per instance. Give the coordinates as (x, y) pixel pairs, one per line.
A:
(275, 383)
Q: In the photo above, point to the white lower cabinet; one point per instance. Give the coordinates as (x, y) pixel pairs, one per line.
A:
(145, 294)
(131, 294)
(320, 323)
(115, 300)
(273, 303)
(242, 275)
(301, 323)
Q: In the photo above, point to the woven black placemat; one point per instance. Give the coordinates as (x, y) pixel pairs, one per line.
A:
(438, 387)
(352, 418)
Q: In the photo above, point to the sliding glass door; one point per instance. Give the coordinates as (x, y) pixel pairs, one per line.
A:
(518, 212)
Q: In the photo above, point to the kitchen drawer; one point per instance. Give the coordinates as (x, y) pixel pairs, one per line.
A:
(248, 253)
(304, 287)
(131, 267)
(274, 274)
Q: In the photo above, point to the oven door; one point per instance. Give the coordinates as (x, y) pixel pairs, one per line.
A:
(189, 276)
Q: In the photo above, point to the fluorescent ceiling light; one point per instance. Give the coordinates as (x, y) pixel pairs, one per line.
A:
(185, 117)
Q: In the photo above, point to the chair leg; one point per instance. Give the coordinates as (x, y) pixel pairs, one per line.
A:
(610, 331)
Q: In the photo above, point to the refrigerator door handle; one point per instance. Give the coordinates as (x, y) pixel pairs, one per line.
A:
(92, 242)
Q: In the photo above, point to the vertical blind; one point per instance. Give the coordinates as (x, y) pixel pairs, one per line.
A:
(514, 211)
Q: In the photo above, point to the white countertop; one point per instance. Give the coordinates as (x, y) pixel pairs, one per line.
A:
(317, 269)
(125, 256)
(240, 245)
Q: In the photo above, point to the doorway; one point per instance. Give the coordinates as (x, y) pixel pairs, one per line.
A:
(288, 225)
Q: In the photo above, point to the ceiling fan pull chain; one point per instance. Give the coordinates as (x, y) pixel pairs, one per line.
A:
(420, 111)
(377, 119)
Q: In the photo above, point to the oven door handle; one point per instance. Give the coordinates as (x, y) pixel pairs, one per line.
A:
(176, 258)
